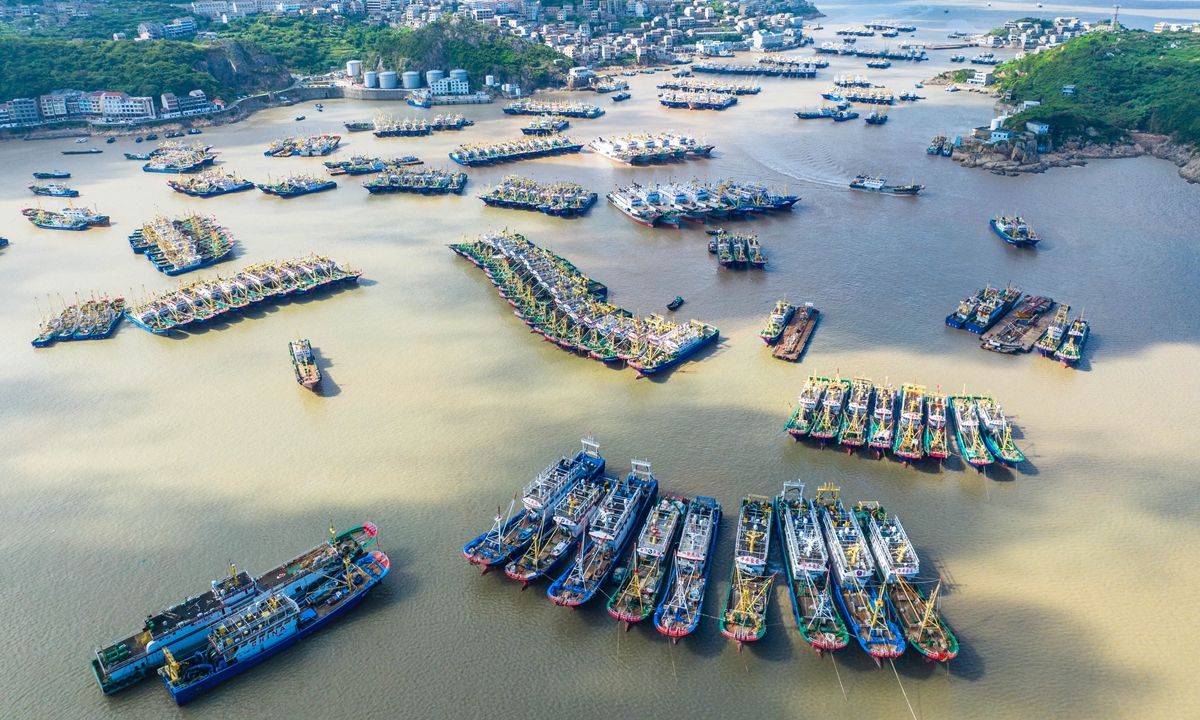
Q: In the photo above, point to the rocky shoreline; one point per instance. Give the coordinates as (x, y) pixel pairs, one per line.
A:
(1022, 156)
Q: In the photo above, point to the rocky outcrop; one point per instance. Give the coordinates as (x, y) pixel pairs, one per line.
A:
(1022, 155)
(239, 66)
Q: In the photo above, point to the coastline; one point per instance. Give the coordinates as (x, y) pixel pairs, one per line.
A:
(1022, 156)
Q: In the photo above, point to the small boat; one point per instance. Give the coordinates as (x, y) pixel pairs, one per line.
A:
(883, 420)
(621, 96)
(511, 534)
(859, 596)
(137, 156)
(111, 140)
(137, 139)
(807, 565)
(80, 140)
(151, 137)
(679, 612)
(1072, 349)
(307, 372)
(53, 175)
(194, 131)
(717, 231)
(637, 596)
(320, 107)
(676, 303)
(804, 416)
(744, 615)
(90, 151)
(299, 118)
(777, 321)
(967, 432)
(910, 438)
(1048, 344)
(608, 535)
(856, 419)
(829, 416)
(997, 431)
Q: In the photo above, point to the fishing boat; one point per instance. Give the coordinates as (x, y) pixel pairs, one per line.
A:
(883, 420)
(937, 437)
(816, 114)
(137, 156)
(647, 148)
(53, 190)
(879, 184)
(55, 175)
(556, 537)
(546, 125)
(995, 304)
(910, 435)
(50, 220)
(777, 321)
(296, 185)
(313, 145)
(966, 309)
(805, 415)
(843, 116)
(807, 565)
(876, 118)
(966, 430)
(620, 96)
(93, 217)
(1015, 231)
(183, 629)
(894, 554)
(304, 364)
(679, 612)
(608, 535)
(856, 418)
(359, 125)
(476, 154)
(637, 596)
(1048, 344)
(270, 625)
(631, 202)
(997, 431)
(512, 533)
(860, 597)
(744, 615)
(829, 416)
(1071, 350)
(175, 157)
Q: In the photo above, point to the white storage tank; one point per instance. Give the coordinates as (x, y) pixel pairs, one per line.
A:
(996, 123)
(458, 75)
(490, 80)
(432, 76)
(388, 80)
(370, 79)
(354, 68)
(411, 80)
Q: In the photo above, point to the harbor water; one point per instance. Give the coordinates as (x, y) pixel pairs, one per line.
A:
(134, 470)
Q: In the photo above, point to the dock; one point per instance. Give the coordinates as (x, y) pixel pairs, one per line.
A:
(797, 332)
(1021, 327)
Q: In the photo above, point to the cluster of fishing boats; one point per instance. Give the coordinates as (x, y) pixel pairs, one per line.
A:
(669, 203)
(571, 310)
(655, 552)
(363, 165)
(546, 125)
(91, 319)
(476, 154)
(388, 126)
(69, 218)
(310, 146)
(211, 183)
(871, 97)
(177, 246)
(1064, 338)
(911, 423)
(788, 70)
(559, 198)
(424, 181)
(241, 621)
(647, 148)
(856, 32)
(293, 185)
(941, 145)
(563, 109)
(981, 311)
(203, 300)
(814, 61)
(709, 86)
(177, 157)
(697, 100)
(851, 81)
(735, 250)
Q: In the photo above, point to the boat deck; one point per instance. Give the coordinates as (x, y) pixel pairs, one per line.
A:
(797, 333)
(1013, 334)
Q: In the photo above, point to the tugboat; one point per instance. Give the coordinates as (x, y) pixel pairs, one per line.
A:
(307, 372)
(1072, 350)
(608, 536)
(777, 322)
(638, 594)
(879, 184)
(511, 534)
(804, 416)
(861, 599)
(807, 565)
(679, 612)
(1015, 231)
(744, 616)
(269, 625)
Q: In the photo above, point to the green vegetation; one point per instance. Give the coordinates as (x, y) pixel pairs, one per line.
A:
(31, 67)
(1126, 81)
(305, 45)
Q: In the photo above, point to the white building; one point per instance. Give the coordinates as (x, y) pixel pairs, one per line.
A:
(450, 86)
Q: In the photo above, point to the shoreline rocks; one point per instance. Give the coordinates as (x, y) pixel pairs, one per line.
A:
(1022, 155)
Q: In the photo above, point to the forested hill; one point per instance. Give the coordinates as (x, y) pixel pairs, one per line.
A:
(1124, 81)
